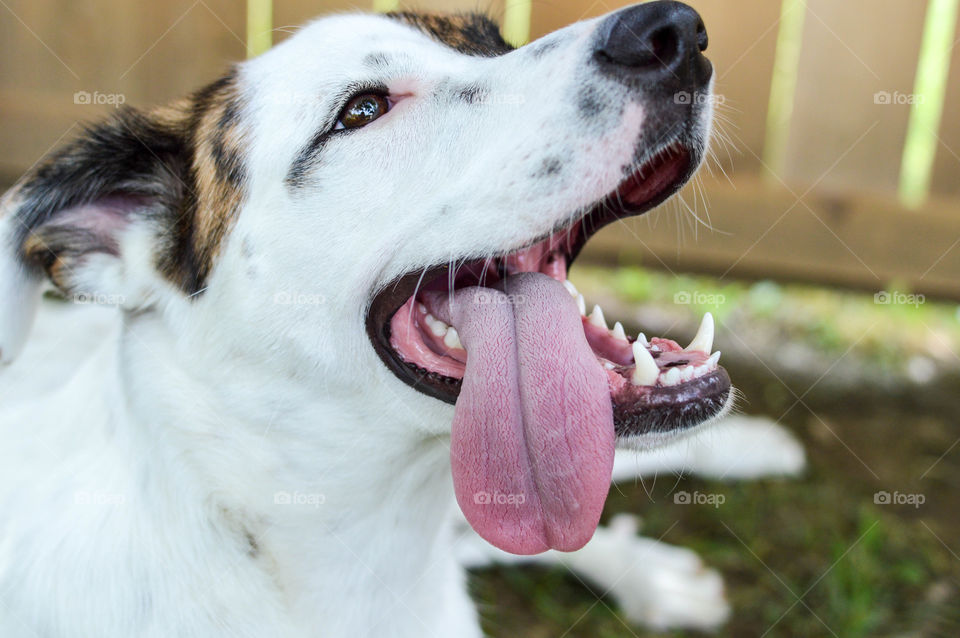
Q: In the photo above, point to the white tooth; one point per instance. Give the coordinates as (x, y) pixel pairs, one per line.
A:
(571, 288)
(688, 373)
(642, 338)
(421, 308)
(582, 305)
(452, 339)
(646, 370)
(437, 327)
(713, 360)
(618, 332)
(672, 377)
(608, 365)
(597, 318)
(704, 339)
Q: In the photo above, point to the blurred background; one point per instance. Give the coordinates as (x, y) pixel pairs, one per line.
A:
(824, 235)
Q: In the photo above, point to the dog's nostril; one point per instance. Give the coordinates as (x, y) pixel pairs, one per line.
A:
(664, 44)
(702, 39)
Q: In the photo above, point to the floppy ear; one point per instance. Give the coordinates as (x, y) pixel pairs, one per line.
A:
(137, 203)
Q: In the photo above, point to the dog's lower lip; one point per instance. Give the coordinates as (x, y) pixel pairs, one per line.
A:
(660, 177)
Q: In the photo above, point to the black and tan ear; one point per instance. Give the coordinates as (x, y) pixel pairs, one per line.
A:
(137, 202)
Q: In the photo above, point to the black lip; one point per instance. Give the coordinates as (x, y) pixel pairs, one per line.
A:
(701, 396)
(674, 408)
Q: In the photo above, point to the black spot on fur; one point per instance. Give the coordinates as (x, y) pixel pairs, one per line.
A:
(306, 159)
(551, 166)
(376, 60)
(246, 248)
(472, 94)
(253, 547)
(539, 49)
(589, 102)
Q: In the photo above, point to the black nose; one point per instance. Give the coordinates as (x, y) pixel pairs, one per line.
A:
(655, 42)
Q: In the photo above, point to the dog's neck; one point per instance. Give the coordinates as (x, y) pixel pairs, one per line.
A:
(332, 496)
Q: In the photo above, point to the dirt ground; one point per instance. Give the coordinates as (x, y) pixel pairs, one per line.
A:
(814, 556)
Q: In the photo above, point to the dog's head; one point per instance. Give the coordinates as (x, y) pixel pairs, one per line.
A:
(379, 196)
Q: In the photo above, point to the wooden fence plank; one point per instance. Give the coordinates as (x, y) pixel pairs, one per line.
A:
(946, 171)
(762, 232)
(854, 78)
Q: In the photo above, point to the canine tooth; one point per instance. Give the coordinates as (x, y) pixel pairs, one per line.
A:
(704, 339)
(597, 318)
(618, 332)
(642, 338)
(571, 288)
(452, 339)
(582, 305)
(713, 360)
(672, 377)
(646, 370)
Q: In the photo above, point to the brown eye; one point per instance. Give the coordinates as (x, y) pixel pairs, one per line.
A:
(362, 110)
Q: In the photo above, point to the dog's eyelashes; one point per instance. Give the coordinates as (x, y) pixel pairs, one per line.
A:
(361, 110)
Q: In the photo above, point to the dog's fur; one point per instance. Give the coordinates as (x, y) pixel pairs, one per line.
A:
(227, 456)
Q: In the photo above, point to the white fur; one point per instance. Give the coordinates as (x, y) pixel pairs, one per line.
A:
(19, 291)
(241, 463)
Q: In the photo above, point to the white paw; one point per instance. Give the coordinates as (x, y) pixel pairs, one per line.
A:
(742, 447)
(654, 584)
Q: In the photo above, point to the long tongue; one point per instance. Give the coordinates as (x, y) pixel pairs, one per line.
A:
(533, 439)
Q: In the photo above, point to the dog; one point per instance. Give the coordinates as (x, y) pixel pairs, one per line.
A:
(259, 413)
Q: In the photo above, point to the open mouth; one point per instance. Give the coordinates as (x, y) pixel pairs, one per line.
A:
(542, 386)
(656, 385)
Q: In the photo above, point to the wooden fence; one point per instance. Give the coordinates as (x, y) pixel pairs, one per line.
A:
(819, 100)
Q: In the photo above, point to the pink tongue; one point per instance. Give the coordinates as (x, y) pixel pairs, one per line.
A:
(533, 440)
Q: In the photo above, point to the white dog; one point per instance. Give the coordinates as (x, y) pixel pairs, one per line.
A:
(260, 441)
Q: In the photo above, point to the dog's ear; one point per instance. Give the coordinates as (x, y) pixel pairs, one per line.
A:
(137, 203)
